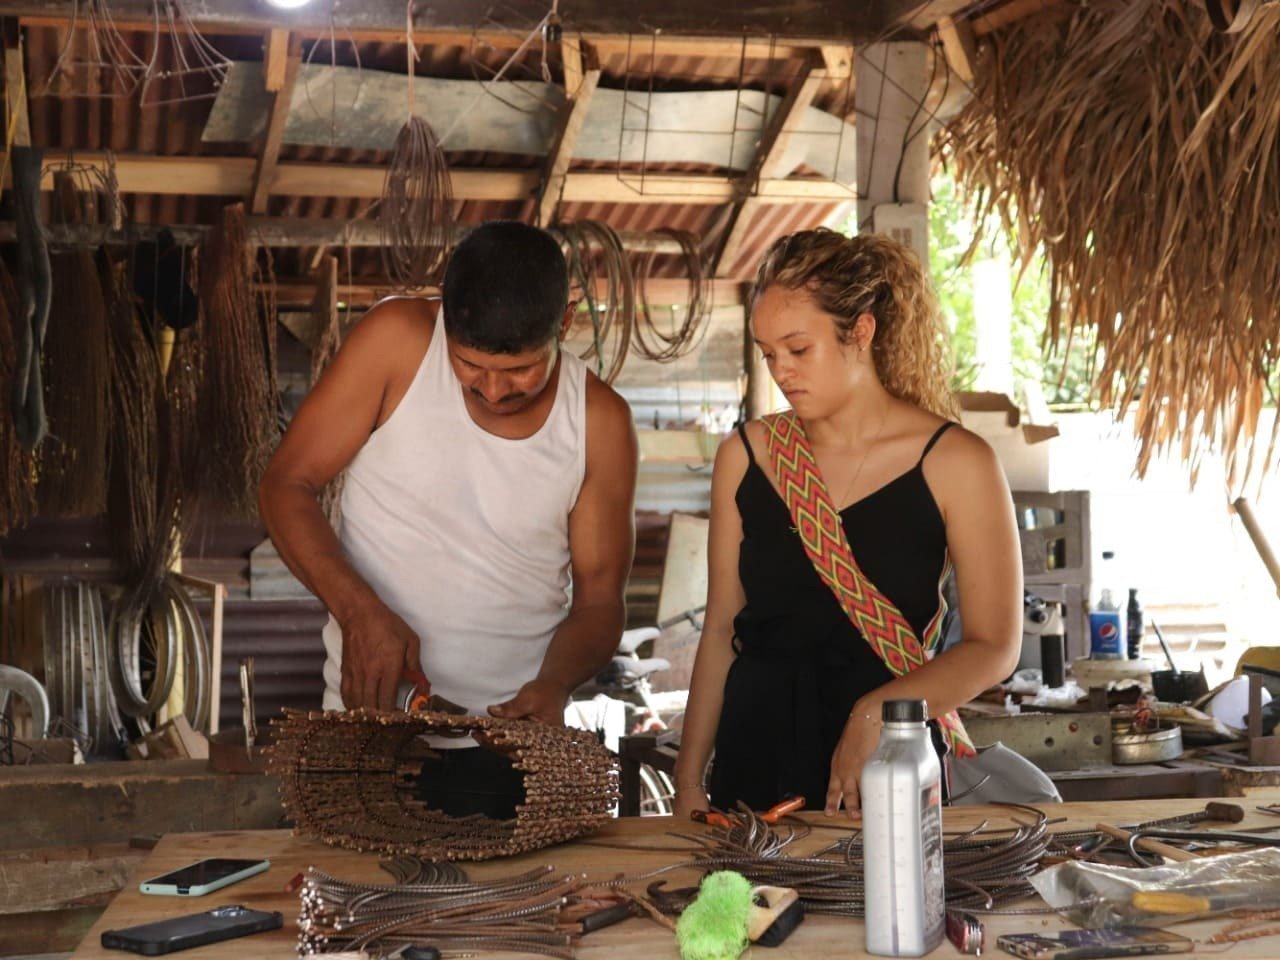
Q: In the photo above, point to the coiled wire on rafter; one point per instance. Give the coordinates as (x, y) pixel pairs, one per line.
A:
(415, 213)
(597, 260)
(654, 344)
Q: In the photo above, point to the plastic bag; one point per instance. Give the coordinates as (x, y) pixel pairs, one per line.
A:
(1097, 895)
(998, 774)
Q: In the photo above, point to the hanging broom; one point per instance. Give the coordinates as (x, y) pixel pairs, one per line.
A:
(237, 405)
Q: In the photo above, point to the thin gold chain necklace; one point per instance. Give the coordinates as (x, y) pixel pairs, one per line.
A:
(843, 502)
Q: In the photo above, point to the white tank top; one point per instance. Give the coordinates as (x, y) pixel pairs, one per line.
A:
(464, 534)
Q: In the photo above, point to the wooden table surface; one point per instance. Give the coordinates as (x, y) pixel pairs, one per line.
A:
(620, 847)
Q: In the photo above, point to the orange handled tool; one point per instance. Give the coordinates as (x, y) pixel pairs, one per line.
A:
(772, 815)
(780, 810)
(417, 698)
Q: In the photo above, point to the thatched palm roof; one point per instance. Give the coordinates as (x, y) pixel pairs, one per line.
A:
(1139, 146)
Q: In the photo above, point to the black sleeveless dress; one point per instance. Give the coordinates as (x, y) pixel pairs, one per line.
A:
(801, 662)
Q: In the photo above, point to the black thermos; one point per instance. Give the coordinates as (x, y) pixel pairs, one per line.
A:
(1133, 621)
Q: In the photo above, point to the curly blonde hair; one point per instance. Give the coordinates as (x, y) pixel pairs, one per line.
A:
(870, 273)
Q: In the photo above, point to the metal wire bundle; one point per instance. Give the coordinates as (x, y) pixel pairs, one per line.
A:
(237, 400)
(515, 914)
(416, 209)
(982, 868)
(76, 664)
(654, 344)
(150, 627)
(596, 258)
(349, 779)
(112, 68)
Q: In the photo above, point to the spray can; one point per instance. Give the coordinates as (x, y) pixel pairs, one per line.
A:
(902, 836)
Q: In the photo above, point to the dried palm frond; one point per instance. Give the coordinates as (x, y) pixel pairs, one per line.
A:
(77, 365)
(237, 402)
(1139, 147)
(17, 466)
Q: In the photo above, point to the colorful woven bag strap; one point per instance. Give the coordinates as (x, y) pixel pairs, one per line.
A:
(818, 522)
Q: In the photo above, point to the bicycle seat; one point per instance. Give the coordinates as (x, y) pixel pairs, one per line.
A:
(640, 666)
(631, 639)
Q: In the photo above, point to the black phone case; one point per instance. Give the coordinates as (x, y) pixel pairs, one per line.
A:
(192, 930)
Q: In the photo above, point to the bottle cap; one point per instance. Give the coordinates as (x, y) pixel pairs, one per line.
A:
(1108, 554)
(903, 711)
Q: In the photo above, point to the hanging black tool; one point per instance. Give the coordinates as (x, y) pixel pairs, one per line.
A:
(35, 291)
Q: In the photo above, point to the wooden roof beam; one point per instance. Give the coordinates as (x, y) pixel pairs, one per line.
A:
(283, 60)
(284, 232)
(581, 77)
(290, 293)
(818, 19)
(769, 153)
(233, 177)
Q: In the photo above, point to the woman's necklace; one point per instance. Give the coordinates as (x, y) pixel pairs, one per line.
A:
(843, 502)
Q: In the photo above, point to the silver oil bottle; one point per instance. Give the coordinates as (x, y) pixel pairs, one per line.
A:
(902, 836)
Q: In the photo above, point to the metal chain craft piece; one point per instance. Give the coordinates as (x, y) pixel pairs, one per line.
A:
(349, 779)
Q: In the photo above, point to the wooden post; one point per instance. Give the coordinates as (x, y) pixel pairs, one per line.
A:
(893, 142)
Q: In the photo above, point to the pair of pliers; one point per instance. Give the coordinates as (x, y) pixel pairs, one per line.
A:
(770, 816)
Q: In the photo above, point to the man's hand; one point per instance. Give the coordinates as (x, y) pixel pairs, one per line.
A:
(537, 700)
(857, 743)
(378, 648)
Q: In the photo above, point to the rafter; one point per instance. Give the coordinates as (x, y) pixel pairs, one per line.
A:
(233, 177)
(819, 19)
(282, 232)
(660, 290)
(769, 153)
(581, 76)
(282, 64)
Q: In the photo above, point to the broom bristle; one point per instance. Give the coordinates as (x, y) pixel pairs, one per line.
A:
(237, 403)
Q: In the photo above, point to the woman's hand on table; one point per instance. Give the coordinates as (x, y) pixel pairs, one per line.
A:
(689, 799)
(857, 743)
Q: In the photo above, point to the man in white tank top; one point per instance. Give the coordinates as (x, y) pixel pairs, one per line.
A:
(487, 511)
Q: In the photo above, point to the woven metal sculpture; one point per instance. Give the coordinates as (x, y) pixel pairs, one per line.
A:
(350, 779)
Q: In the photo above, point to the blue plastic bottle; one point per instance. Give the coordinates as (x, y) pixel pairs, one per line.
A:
(1106, 619)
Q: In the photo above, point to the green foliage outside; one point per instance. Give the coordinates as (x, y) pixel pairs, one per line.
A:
(1063, 375)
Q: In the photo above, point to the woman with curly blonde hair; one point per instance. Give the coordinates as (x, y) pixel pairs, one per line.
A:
(833, 527)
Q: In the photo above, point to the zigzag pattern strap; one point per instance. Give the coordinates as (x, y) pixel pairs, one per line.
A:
(821, 531)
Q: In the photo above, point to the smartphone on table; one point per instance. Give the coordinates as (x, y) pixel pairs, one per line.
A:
(1094, 944)
(203, 876)
(193, 930)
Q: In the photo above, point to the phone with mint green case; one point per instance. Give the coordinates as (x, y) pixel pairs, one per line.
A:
(203, 876)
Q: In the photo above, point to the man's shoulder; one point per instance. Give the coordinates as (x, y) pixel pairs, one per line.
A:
(404, 313)
(605, 403)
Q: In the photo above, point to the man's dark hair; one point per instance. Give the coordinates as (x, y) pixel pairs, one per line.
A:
(506, 288)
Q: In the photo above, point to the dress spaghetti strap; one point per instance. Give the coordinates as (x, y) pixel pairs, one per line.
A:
(742, 432)
(934, 439)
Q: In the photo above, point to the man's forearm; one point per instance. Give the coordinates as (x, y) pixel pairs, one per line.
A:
(310, 549)
(583, 644)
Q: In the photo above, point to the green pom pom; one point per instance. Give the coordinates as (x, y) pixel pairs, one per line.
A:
(714, 926)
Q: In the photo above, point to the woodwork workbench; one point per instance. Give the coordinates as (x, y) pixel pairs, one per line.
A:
(617, 848)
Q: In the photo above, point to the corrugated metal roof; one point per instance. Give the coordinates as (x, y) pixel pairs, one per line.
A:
(173, 129)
